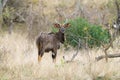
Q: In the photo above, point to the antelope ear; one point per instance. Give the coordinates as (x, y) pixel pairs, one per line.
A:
(66, 25)
(56, 25)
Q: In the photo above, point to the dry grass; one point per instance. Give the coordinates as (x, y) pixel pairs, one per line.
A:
(18, 61)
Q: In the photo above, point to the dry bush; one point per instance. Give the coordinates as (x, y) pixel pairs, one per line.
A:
(16, 46)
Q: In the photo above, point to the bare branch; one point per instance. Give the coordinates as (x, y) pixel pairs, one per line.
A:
(57, 21)
(74, 55)
(106, 47)
(117, 6)
(66, 20)
(4, 3)
(109, 56)
(21, 17)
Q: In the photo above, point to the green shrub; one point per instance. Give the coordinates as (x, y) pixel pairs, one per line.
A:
(88, 33)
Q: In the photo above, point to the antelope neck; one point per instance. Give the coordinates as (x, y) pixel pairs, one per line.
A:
(60, 36)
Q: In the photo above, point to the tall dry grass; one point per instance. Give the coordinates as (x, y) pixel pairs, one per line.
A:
(18, 61)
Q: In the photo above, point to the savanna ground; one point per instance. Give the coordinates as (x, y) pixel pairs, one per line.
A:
(19, 62)
(18, 54)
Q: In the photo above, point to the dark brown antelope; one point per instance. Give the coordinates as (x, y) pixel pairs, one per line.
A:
(51, 41)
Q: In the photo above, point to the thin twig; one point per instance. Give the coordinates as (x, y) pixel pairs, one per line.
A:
(74, 55)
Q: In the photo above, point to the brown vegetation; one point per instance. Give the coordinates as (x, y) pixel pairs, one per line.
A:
(27, 18)
(18, 60)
